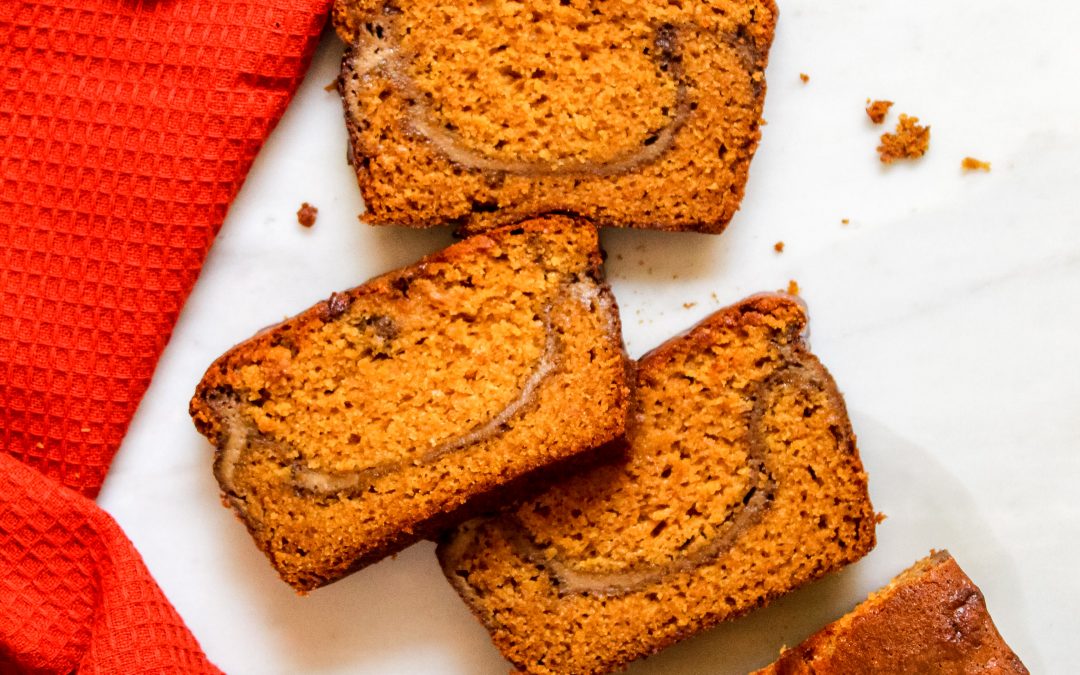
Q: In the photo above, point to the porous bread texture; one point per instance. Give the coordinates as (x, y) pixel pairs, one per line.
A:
(741, 482)
(369, 420)
(931, 619)
(634, 113)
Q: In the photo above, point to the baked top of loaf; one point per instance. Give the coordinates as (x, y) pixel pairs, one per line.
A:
(634, 113)
(362, 424)
(930, 619)
(740, 482)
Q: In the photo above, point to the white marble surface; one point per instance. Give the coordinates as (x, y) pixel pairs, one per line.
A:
(948, 311)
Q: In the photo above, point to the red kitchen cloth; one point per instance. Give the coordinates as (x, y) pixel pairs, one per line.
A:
(126, 129)
(75, 595)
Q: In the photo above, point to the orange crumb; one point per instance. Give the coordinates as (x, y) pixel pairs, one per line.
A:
(331, 87)
(804, 77)
(879, 518)
(909, 141)
(689, 305)
(778, 247)
(877, 110)
(845, 221)
(972, 164)
(793, 287)
(307, 214)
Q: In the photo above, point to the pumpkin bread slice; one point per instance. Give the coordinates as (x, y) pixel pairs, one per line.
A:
(368, 421)
(741, 482)
(929, 620)
(634, 113)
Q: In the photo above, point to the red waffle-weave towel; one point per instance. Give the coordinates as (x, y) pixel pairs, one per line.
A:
(75, 595)
(126, 129)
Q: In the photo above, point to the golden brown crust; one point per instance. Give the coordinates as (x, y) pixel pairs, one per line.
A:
(416, 168)
(932, 619)
(586, 577)
(355, 428)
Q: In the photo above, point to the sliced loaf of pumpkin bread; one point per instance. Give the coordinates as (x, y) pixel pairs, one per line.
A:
(634, 113)
(370, 420)
(741, 482)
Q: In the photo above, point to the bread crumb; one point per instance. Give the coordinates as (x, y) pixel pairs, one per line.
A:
(689, 305)
(877, 110)
(972, 164)
(85, 430)
(307, 214)
(909, 141)
(40, 446)
(332, 86)
(778, 247)
(880, 518)
(845, 221)
(793, 287)
(804, 77)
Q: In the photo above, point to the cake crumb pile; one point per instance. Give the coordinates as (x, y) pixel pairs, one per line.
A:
(307, 214)
(877, 110)
(910, 141)
(740, 482)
